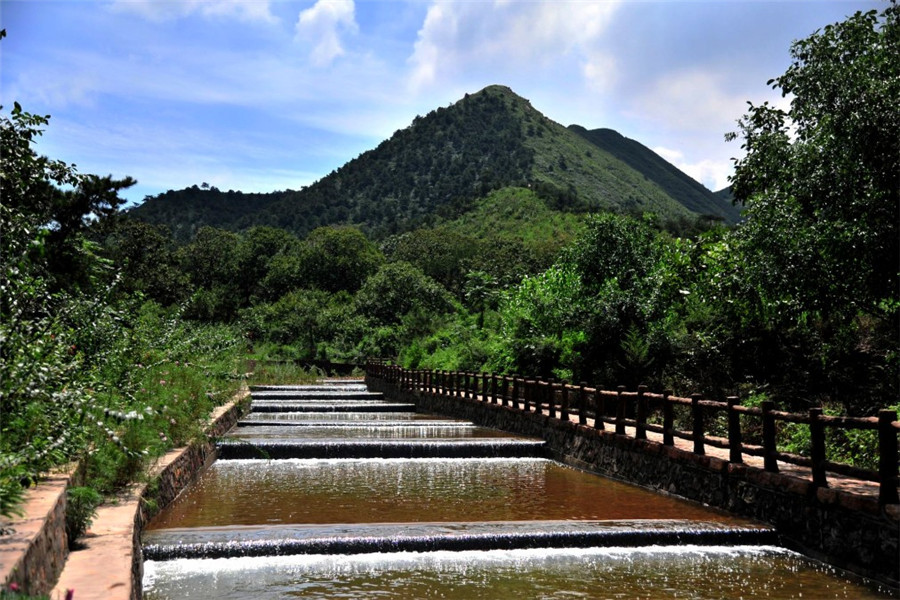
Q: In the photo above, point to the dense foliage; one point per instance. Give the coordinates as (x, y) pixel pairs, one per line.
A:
(88, 371)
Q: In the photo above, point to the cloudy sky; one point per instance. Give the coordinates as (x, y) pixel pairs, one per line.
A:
(261, 95)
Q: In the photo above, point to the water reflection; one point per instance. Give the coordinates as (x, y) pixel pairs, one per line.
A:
(412, 490)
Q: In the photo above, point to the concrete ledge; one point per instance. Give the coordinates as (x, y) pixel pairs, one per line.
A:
(109, 566)
(33, 554)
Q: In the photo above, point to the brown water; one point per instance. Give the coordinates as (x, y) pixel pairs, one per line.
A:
(651, 572)
(412, 490)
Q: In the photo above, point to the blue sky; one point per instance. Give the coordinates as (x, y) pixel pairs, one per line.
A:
(259, 95)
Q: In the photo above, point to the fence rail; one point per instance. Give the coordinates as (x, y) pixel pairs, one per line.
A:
(652, 412)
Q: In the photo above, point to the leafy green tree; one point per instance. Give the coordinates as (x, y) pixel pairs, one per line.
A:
(338, 258)
(145, 255)
(54, 197)
(210, 258)
(821, 182)
(210, 262)
(398, 289)
(254, 254)
(543, 323)
(443, 255)
(295, 319)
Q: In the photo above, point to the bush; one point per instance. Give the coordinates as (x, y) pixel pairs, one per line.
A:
(81, 508)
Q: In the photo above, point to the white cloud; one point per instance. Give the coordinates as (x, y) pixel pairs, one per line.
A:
(711, 173)
(505, 35)
(245, 10)
(600, 72)
(322, 24)
(701, 100)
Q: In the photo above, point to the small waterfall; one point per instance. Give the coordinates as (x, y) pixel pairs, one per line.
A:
(282, 541)
(330, 395)
(354, 407)
(328, 418)
(651, 572)
(354, 448)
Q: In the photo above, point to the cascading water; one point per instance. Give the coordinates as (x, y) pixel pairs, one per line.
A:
(329, 491)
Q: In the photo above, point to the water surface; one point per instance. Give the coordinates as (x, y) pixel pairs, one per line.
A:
(259, 492)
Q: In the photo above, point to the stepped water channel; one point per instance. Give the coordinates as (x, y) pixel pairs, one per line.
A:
(328, 491)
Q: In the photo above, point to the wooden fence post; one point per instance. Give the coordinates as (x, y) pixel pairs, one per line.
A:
(770, 463)
(887, 457)
(493, 388)
(668, 419)
(697, 429)
(564, 403)
(620, 410)
(551, 399)
(515, 392)
(735, 442)
(640, 430)
(817, 447)
(582, 406)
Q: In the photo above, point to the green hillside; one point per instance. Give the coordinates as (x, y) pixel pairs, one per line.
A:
(435, 170)
(518, 214)
(674, 182)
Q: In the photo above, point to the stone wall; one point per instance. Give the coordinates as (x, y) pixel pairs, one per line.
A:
(847, 530)
(34, 548)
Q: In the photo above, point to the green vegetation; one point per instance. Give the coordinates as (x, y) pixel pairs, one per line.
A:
(675, 183)
(90, 371)
(454, 245)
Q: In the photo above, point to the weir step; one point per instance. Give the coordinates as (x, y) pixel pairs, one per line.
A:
(355, 385)
(382, 423)
(356, 407)
(451, 448)
(230, 542)
(337, 395)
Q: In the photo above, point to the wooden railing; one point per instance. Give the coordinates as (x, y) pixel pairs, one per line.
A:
(671, 416)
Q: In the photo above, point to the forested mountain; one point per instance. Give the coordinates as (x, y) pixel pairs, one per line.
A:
(435, 169)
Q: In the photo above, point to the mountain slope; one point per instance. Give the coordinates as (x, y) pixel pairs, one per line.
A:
(434, 170)
(677, 184)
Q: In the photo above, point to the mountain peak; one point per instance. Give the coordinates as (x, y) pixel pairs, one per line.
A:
(438, 166)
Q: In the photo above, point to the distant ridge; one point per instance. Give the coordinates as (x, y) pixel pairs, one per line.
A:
(437, 167)
(679, 185)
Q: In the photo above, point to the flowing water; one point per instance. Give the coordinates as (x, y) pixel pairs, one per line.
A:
(648, 572)
(321, 509)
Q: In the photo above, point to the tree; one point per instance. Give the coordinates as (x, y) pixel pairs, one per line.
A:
(145, 255)
(338, 258)
(397, 289)
(820, 246)
(253, 258)
(53, 196)
(836, 154)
